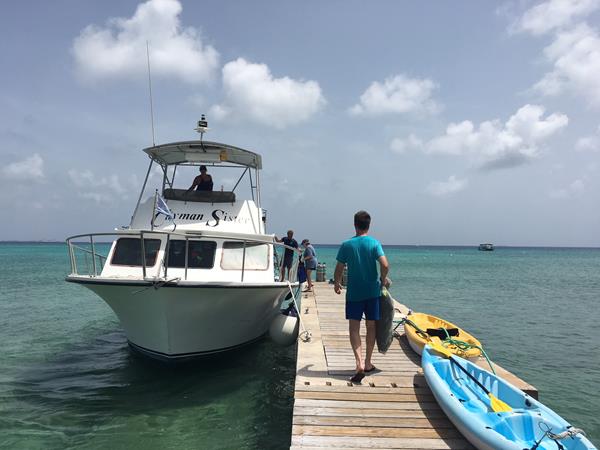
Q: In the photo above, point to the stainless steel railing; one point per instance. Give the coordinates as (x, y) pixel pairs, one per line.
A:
(73, 247)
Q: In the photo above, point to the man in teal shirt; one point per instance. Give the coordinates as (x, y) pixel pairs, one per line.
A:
(361, 254)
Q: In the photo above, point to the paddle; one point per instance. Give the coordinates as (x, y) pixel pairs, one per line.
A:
(496, 404)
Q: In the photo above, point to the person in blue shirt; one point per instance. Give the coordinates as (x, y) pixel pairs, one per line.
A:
(361, 254)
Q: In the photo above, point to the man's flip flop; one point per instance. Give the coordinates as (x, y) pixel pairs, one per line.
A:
(357, 378)
(372, 369)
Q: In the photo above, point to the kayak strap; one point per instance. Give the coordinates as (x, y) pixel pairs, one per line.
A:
(464, 346)
(570, 432)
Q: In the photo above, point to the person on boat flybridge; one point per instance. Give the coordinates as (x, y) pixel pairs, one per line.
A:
(202, 182)
(361, 254)
(288, 255)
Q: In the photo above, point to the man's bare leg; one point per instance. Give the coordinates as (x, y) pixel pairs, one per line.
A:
(354, 330)
(371, 335)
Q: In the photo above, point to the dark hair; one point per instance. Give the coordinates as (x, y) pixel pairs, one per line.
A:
(362, 220)
(203, 168)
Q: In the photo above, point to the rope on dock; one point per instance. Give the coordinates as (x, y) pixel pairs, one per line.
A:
(305, 335)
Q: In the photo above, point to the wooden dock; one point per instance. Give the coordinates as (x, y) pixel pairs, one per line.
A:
(391, 409)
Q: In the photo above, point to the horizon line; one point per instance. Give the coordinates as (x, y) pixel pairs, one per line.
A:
(338, 244)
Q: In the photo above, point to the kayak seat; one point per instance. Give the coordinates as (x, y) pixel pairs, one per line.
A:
(441, 332)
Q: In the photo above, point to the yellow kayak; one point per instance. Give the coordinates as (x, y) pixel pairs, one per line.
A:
(431, 328)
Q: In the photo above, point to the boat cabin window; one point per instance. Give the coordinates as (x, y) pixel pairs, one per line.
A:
(201, 254)
(257, 256)
(128, 252)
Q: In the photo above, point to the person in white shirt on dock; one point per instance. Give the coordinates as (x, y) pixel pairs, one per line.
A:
(361, 254)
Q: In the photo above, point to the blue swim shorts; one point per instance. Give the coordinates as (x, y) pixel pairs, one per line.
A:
(370, 307)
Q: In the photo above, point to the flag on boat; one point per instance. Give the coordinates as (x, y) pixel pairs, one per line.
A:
(163, 208)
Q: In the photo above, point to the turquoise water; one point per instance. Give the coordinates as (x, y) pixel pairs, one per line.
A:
(68, 379)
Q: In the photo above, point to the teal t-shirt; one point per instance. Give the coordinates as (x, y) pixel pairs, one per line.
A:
(361, 253)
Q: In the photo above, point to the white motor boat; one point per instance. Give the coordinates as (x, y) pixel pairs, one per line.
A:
(200, 277)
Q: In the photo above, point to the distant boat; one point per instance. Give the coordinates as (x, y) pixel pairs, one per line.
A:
(486, 247)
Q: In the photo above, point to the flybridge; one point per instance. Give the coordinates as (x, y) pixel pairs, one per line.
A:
(213, 154)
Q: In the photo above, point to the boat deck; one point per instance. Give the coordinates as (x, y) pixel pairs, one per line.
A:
(391, 409)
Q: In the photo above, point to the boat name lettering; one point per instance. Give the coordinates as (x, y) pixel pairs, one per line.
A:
(187, 216)
(220, 215)
(217, 216)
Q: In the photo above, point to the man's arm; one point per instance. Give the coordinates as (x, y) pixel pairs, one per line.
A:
(337, 277)
(194, 184)
(384, 268)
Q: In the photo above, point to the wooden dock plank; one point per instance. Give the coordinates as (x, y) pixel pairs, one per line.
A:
(320, 442)
(361, 431)
(365, 389)
(364, 397)
(423, 406)
(392, 408)
(368, 412)
(381, 422)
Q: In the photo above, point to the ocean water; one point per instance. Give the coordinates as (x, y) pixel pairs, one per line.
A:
(69, 380)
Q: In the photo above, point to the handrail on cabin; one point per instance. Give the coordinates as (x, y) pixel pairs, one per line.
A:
(164, 264)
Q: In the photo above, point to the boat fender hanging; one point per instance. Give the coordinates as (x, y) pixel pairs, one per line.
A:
(284, 329)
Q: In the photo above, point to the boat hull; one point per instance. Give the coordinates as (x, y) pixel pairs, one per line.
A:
(467, 407)
(175, 322)
(424, 321)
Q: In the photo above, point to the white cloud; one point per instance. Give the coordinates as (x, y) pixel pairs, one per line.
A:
(591, 143)
(119, 48)
(252, 92)
(575, 189)
(495, 145)
(588, 143)
(575, 55)
(400, 146)
(554, 14)
(101, 189)
(281, 187)
(29, 169)
(446, 188)
(397, 95)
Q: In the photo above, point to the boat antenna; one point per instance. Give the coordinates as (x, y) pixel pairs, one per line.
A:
(202, 128)
(150, 92)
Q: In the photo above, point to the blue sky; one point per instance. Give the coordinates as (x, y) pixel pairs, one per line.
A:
(451, 122)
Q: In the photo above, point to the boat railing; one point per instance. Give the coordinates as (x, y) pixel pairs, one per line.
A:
(86, 245)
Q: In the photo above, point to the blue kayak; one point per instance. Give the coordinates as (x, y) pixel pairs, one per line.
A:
(529, 425)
